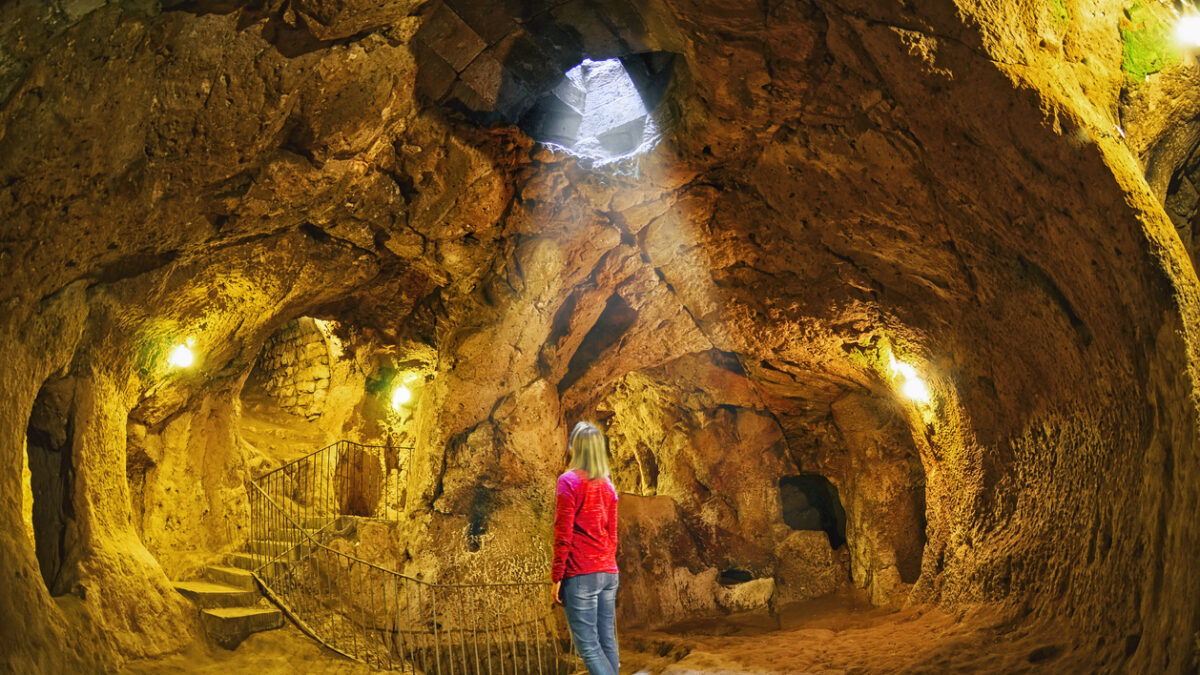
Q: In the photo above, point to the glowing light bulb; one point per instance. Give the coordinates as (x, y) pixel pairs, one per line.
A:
(911, 385)
(915, 389)
(1187, 31)
(401, 396)
(181, 357)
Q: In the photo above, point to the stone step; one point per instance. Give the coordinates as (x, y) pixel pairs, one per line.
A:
(230, 625)
(231, 576)
(293, 534)
(249, 562)
(242, 561)
(206, 594)
(311, 522)
(276, 547)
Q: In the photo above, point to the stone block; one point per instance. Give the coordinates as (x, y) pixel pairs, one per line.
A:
(483, 18)
(745, 596)
(583, 18)
(555, 121)
(435, 77)
(229, 626)
(807, 567)
(231, 576)
(624, 138)
(316, 372)
(451, 38)
(206, 594)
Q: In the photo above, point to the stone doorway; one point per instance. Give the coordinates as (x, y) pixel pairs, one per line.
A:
(48, 510)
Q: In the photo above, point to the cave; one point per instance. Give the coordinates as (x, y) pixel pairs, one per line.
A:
(889, 316)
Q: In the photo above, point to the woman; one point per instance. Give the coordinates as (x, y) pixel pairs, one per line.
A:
(585, 550)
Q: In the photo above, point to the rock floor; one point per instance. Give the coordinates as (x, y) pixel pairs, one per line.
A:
(838, 633)
(286, 650)
(841, 633)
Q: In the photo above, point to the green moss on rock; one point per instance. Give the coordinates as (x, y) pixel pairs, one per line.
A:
(1145, 42)
(1059, 10)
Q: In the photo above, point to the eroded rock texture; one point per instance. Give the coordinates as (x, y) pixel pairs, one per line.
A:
(953, 185)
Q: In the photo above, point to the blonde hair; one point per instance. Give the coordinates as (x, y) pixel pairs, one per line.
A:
(589, 450)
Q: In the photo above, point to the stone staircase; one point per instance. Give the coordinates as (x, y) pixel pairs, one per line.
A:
(231, 607)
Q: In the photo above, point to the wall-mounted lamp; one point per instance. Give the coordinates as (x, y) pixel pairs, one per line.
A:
(401, 396)
(910, 384)
(181, 356)
(1187, 31)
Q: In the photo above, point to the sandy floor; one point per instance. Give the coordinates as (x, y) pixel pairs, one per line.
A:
(840, 633)
(286, 650)
(836, 634)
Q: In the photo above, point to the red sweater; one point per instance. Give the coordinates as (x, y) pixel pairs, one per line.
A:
(585, 526)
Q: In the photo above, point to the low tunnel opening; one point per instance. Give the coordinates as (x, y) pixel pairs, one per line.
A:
(810, 502)
(48, 442)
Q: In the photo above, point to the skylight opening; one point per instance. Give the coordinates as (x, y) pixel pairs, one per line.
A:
(603, 111)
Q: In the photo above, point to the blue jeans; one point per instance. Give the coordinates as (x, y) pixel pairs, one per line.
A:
(591, 604)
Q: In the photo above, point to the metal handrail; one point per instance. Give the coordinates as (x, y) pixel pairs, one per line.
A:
(317, 452)
(317, 542)
(376, 615)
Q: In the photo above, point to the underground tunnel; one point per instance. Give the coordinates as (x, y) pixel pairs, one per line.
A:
(888, 314)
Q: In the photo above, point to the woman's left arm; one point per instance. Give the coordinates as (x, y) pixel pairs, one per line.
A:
(564, 527)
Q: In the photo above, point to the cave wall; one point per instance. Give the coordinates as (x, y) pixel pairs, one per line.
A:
(218, 171)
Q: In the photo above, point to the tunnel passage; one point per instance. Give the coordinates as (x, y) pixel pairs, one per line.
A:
(293, 368)
(48, 442)
(810, 502)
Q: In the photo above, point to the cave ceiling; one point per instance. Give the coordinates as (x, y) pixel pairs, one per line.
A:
(809, 197)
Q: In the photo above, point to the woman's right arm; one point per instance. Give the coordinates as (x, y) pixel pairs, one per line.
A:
(564, 526)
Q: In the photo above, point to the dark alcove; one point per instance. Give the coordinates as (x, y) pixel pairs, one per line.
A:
(810, 502)
(48, 441)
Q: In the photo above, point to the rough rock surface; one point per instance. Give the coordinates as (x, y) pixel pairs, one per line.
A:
(808, 567)
(949, 184)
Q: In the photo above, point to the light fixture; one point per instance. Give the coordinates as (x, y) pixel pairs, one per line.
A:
(401, 396)
(911, 385)
(181, 355)
(1187, 31)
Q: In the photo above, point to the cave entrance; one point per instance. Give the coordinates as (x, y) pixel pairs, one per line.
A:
(48, 441)
(810, 502)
